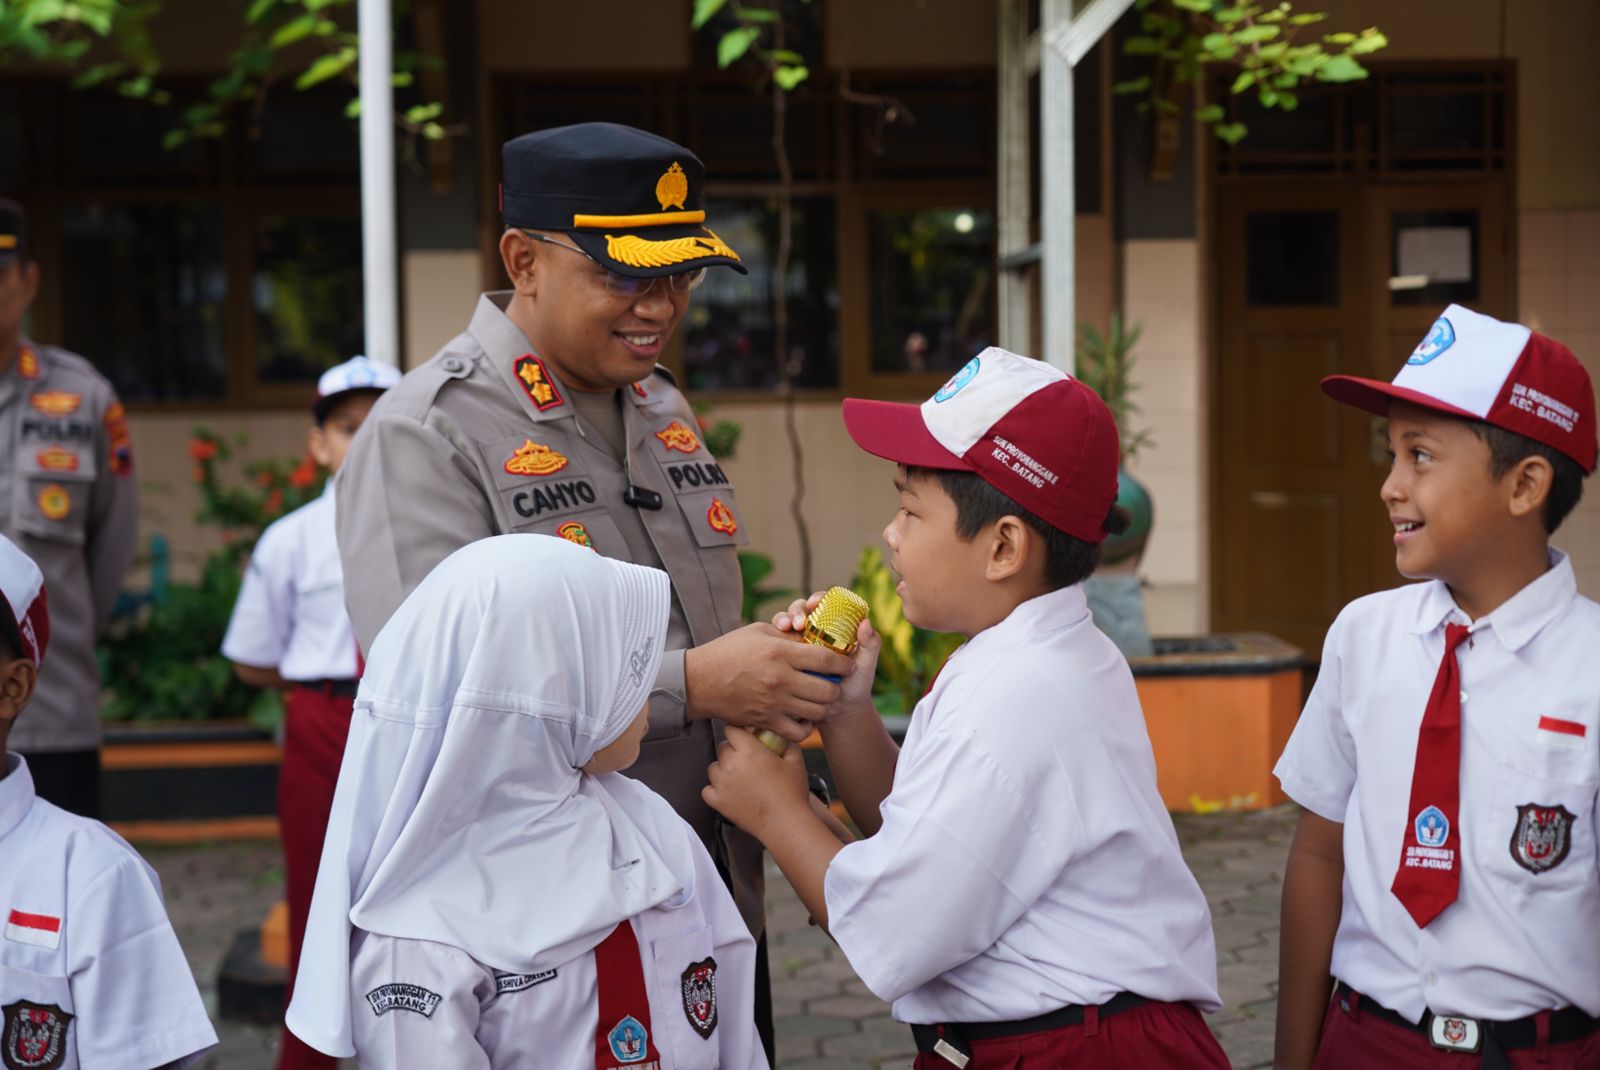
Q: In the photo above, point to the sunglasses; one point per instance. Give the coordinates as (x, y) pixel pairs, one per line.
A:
(680, 282)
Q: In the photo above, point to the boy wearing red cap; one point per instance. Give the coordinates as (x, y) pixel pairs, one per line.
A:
(91, 974)
(1020, 894)
(1444, 882)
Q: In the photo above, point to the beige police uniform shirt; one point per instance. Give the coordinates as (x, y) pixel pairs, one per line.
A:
(484, 439)
(73, 508)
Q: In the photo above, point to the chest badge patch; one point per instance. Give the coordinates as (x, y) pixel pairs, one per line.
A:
(536, 381)
(720, 517)
(35, 1035)
(535, 459)
(629, 1040)
(700, 996)
(677, 436)
(40, 930)
(573, 531)
(57, 459)
(54, 502)
(1542, 838)
(56, 402)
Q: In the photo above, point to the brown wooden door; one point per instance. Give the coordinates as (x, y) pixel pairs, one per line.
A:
(1305, 271)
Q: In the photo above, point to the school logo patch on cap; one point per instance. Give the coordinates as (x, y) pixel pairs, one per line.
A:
(536, 381)
(534, 459)
(968, 372)
(629, 1040)
(1542, 838)
(699, 984)
(35, 1035)
(1440, 337)
(678, 436)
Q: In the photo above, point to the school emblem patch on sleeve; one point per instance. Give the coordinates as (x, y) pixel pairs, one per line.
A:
(700, 996)
(397, 996)
(35, 1036)
(1542, 838)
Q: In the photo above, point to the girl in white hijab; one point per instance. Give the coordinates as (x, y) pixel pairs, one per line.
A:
(493, 892)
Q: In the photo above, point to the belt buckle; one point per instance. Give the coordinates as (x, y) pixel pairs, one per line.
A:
(950, 1053)
(1453, 1033)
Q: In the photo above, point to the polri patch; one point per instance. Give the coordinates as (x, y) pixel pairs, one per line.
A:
(54, 502)
(1543, 837)
(696, 474)
(541, 389)
(720, 517)
(398, 996)
(57, 459)
(535, 459)
(56, 402)
(699, 985)
(518, 982)
(573, 531)
(678, 436)
(34, 1035)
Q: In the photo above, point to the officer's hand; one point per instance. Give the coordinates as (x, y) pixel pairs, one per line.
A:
(760, 678)
(855, 691)
(749, 785)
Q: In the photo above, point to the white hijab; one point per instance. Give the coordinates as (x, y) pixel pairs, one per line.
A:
(461, 814)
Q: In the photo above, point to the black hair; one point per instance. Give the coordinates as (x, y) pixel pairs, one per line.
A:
(1067, 558)
(8, 647)
(1507, 449)
(325, 407)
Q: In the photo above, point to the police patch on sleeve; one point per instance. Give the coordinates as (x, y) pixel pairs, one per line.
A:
(397, 996)
(34, 1035)
(699, 984)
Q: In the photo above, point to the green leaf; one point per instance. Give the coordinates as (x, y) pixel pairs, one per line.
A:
(296, 29)
(1308, 18)
(1144, 46)
(326, 67)
(785, 55)
(135, 88)
(1211, 113)
(352, 110)
(1339, 38)
(1132, 85)
(402, 79)
(1200, 7)
(1232, 133)
(258, 11)
(1273, 52)
(96, 74)
(757, 14)
(174, 138)
(1229, 16)
(1268, 96)
(1369, 41)
(1213, 41)
(789, 77)
(734, 44)
(1252, 35)
(1272, 16)
(1288, 101)
(1245, 80)
(433, 131)
(1342, 68)
(704, 11)
(422, 113)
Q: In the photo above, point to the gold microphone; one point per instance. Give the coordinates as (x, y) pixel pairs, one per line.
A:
(832, 624)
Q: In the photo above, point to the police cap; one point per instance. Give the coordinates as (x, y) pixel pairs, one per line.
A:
(13, 232)
(632, 200)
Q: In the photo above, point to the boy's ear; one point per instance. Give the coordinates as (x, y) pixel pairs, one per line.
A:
(1529, 481)
(1011, 544)
(317, 446)
(17, 680)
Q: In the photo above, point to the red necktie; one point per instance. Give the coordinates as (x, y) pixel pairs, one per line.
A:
(1430, 855)
(622, 1038)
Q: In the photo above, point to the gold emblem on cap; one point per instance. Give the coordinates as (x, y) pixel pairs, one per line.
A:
(639, 252)
(672, 188)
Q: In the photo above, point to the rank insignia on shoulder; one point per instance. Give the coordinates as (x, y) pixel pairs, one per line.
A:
(536, 381)
(119, 443)
(638, 388)
(28, 363)
(1542, 837)
(678, 436)
(720, 517)
(535, 459)
(57, 459)
(35, 1035)
(699, 985)
(573, 531)
(397, 996)
(56, 402)
(54, 502)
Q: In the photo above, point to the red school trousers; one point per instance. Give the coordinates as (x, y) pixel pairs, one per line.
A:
(315, 726)
(1351, 1039)
(1155, 1036)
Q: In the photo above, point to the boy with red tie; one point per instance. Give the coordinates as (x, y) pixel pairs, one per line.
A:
(1444, 881)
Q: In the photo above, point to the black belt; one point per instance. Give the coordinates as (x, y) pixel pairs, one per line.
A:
(1454, 1032)
(949, 1041)
(345, 688)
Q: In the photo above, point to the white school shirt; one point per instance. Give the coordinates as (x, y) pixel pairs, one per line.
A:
(91, 974)
(290, 614)
(421, 1005)
(1517, 939)
(1026, 861)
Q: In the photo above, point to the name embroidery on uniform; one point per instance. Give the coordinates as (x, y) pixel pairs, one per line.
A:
(720, 517)
(677, 436)
(56, 402)
(536, 381)
(1542, 838)
(54, 502)
(697, 474)
(57, 459)
(573, 531)
(535, 459)
(517, 982)
(554, 497)
(35, 1035)
(699, 985)
(397, 996)
(121, 445)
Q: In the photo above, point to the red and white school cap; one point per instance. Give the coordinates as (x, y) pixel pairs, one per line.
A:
(1473, 366)
(357, 373)
(1033, 432)
(24, 614)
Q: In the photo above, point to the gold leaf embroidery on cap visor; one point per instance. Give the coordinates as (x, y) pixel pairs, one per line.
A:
(640, 252)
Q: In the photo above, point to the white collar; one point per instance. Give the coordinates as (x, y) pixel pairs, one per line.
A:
(1038, 616)
(16, 794)
(1516, 620)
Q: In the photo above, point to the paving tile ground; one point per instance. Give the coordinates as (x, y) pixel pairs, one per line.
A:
(826, 1018)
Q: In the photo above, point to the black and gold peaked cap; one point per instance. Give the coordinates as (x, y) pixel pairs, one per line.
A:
(631, 200)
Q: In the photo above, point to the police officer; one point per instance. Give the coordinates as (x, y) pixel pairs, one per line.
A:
(71, 504)
(551, 415)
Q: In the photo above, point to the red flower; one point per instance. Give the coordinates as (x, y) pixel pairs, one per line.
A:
(304, 475)
(274, 502)
(201, 450)
(264, 479)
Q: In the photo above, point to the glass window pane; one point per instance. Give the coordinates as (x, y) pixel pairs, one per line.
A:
(1292, 258)
(307, 295)
(1433, 258)
(113, 139)
(142, 293)
(728, 330)
(932, 295)
(306, 134)
(928, 129)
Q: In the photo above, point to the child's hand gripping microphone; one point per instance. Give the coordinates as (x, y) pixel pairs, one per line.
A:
(832, 624)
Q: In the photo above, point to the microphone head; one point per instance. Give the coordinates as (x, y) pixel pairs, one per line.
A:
(833, 623)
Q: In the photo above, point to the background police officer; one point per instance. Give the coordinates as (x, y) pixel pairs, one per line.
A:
(551, 415)
(71, 504)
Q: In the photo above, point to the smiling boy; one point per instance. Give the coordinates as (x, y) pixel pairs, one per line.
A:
(1444, 882)
(1019, 895)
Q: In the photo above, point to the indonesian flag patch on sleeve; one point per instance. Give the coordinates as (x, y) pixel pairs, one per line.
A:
(40, 930)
